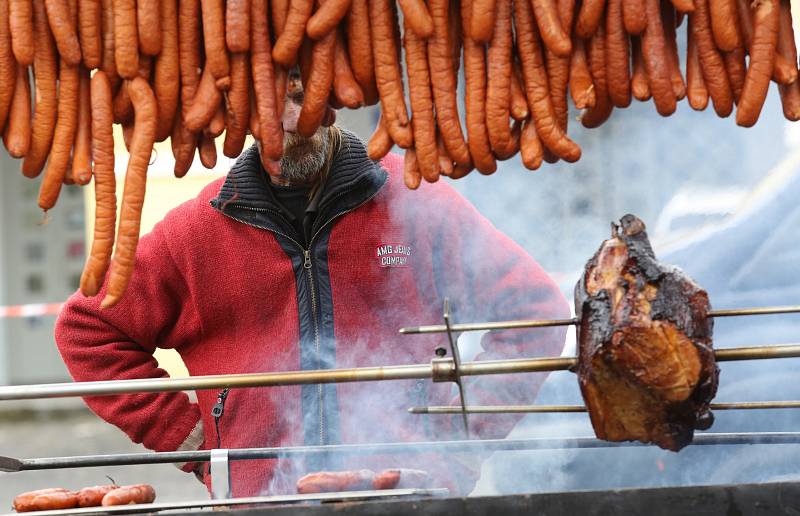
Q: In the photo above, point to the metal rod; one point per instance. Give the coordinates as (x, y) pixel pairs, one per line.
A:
(538, 409)
(323, 376)
(545, 323)
(473, 446)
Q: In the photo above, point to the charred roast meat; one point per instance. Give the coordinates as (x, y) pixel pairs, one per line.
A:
(645, 360)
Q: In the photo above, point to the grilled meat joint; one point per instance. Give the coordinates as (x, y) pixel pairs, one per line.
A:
(645, 360)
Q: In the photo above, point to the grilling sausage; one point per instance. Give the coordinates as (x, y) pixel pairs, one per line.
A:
(401, 478)
(45, 499)
(140, 493)
(93, 496)
(334, 481)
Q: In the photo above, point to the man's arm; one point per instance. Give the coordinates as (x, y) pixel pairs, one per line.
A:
(488, 277)
(118, 343)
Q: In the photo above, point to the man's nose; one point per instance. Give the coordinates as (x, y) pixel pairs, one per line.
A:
(291, 112)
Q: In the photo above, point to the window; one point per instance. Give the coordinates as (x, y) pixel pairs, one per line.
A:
(75, 249)
(34, 252)
(34, 283)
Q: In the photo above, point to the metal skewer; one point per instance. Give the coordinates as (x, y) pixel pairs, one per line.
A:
(456, 354)
(545, 323)
(440, 370)
(538, 409)
(10, 464)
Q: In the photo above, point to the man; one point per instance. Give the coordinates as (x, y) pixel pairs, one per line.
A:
(313, 265)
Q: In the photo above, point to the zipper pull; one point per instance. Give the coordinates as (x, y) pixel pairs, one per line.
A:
(307, 263)
(219, 407)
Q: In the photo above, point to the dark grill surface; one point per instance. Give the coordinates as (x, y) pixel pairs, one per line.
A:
(728, 500)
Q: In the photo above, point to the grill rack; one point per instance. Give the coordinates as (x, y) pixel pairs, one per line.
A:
(440, 369)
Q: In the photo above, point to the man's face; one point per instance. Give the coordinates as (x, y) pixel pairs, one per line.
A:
(302, 157)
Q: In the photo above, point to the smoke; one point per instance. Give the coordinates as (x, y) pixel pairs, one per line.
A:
(559, 215)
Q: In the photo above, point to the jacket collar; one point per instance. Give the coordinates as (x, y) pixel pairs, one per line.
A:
(352, 179)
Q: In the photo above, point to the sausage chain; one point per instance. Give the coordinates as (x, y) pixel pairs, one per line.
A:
(197, 70)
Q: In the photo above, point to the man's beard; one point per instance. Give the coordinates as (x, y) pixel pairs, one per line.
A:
(303, 158)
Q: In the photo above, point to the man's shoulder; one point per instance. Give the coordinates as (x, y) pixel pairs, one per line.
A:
(440, 191)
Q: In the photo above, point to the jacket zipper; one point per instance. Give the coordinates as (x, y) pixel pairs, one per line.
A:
(308, 265)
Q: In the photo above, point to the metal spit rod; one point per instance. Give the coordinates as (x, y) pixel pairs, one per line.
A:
(10, 464)
(438, 370)
(545, 323)
(538, 409)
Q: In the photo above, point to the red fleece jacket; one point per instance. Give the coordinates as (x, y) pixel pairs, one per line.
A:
(222, 293)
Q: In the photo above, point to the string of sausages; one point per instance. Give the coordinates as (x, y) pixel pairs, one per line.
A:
(196, 70)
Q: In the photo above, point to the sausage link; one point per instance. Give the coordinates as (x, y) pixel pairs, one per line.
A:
(141, 148)
(64, 31)
(535, 78)
(20, 22)
(603, 107)
(656, 61)
(89, 24)
(345, 86)
(63, 136)
(481, 24)
(45, 73)
(766, 23)
(618, 56)
(558, 67)
(359, 48)
(326, 18)
(237, 25)
(108, 61)
(443, 83)
(8, 66)
(237, 116)
(725, 24)
(640, 86)
(589, 18)
(261, 66)
(737, 69)
(205, 103)
(17, 133)
(581, 86)
(126, 38)
(713, 67)
(104, 189)
(418, 16)
(475, 97)
(519, 104)
(189, 50)
(695, 84)
(674, 61)
(288, 43)
(141, 493)
(530, 146)
(425, 155)
(412, 177)
(318, 87)
(498, 89)
(213, 12)
(387, 71)
(148, 26)
(634, 16)
(93, 496)
(380, 143)
(166, 85)
(82, 152)
(552, 28)
(45, 499)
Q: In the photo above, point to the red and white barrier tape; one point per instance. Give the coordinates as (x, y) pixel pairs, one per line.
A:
(31, 310)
